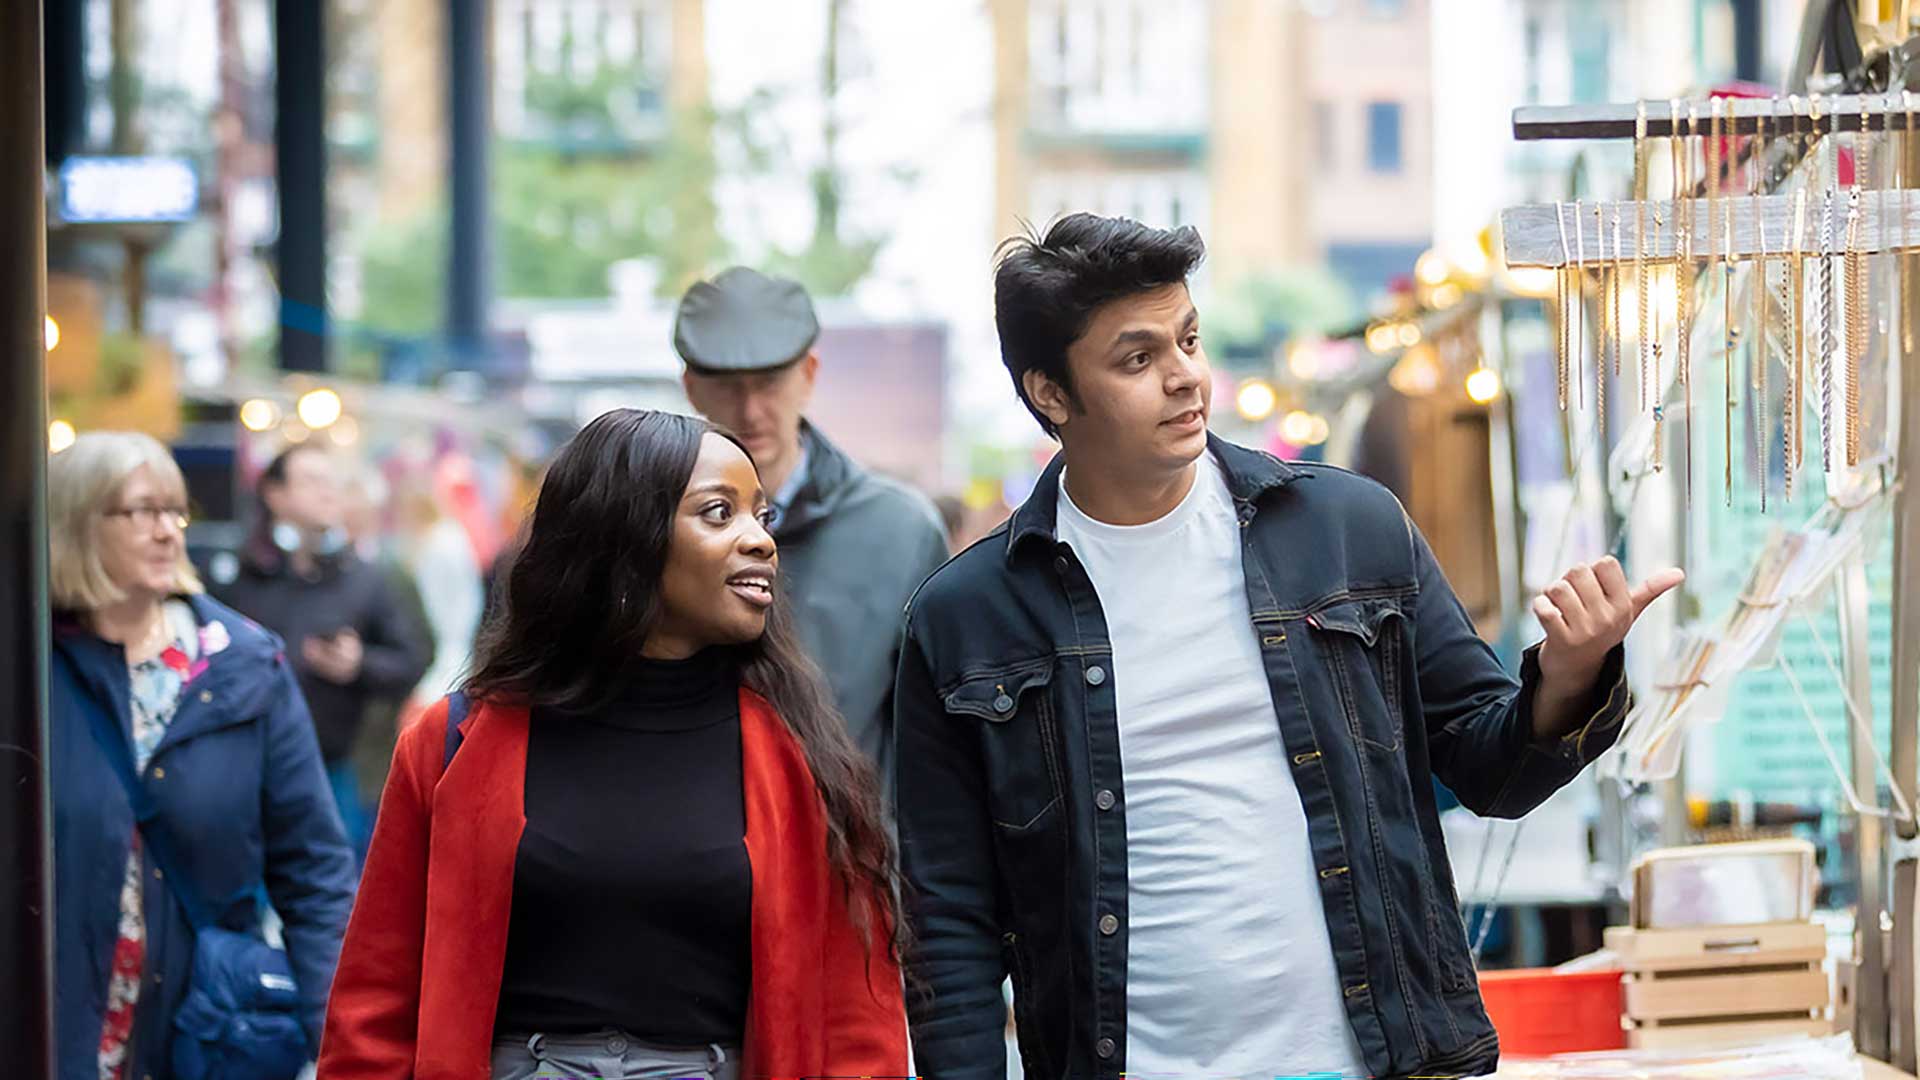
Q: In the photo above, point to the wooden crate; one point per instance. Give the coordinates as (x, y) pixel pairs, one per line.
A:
(1714, 947)
(1675, 996)
(1732, 1033)
(1714, 986)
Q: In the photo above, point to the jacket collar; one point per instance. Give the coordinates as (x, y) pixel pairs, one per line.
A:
(829, 472)
(236, 672)
(1250, 475)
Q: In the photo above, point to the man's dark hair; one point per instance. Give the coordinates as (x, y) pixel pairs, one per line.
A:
(1045, 289)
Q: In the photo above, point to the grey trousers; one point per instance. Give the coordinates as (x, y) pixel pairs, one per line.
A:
(607, 1055)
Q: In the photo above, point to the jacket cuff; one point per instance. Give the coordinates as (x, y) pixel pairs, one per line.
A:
(1604, 710)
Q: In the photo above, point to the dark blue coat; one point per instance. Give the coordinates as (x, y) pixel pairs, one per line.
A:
(238, 775)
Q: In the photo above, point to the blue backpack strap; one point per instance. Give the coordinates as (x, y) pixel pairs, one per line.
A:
(456, 715)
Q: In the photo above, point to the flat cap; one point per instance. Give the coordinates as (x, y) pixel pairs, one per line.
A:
(743, 320)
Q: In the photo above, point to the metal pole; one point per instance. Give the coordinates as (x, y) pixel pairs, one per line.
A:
(26, 900)
(1746, 40)
(1905, 413)
(469, 250)
(1869, 855)
(300, 157)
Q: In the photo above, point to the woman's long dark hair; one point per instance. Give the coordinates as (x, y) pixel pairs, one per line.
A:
(582, 594)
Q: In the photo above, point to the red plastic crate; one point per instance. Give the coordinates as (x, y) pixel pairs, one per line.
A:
(1538, 1011)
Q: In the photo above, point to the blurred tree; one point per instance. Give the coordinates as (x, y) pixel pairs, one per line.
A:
(833, 262)
(604, 173)
(561, 220)
(1250, 316)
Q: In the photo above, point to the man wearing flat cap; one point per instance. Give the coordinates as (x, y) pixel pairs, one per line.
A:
(853, 545)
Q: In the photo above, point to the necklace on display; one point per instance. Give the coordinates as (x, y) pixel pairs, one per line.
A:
(1606, 304)
(1795, 409)
(1823, 328)
(1856, 285)
(1579, 308)
(1562, 329)
(1903, 147)
(1642, 344)
(1757, 281)
(1683, 210)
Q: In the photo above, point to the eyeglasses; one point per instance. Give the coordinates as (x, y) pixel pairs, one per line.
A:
(149, 517)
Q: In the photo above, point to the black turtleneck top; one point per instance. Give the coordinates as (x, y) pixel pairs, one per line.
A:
(631, 890)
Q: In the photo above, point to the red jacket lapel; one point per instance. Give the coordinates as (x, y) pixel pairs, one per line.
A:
(824, 1003)
(478, 812)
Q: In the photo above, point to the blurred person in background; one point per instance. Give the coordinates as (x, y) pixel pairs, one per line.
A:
(366, 494)
(440, 557)
(639, 843)
(156, 685)
(348, 635)
(1166, 741)
(854, 545)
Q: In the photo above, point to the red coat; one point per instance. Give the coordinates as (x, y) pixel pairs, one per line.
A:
(419, 977)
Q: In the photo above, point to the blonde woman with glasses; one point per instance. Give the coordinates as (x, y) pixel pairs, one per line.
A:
(187, 788)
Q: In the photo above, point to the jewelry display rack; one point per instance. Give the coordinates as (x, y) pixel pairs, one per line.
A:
(1767, 249)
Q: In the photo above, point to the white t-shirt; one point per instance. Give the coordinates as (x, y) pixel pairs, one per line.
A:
(1229, 969)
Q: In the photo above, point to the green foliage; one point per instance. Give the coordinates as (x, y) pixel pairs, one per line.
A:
(560, 222)
(830, 265)
(403, 275)
(1253, 313)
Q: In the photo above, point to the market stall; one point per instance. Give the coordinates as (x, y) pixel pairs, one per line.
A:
(1734, 360)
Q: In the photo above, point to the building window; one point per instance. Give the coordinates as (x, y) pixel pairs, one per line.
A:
(1383, 136)
(1162, 198)
(1095, 66)
(590, 71)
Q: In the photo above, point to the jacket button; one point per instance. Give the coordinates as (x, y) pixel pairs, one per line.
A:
(1109, 925)
(159, 773)
(1003, 703)
(1060, 565)
(1104, 800)
(157, 875)
(1104, 1048)
(617, 1045)
(206, 696)
(1096, 675)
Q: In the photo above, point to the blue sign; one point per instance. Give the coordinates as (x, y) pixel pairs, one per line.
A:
(128, 189)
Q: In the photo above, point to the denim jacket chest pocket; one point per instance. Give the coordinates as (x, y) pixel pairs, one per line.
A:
(1018, 739)
(1366, 651)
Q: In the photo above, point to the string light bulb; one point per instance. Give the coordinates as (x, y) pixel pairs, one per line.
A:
(259, 414)
(319, 408)
(1483, 386)
(1256, 400)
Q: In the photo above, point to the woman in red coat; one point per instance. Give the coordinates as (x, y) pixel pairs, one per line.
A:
(655, 853)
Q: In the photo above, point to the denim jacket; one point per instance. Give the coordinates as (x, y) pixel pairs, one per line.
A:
(1012, 805)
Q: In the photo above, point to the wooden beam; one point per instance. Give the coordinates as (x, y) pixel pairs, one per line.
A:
(1837, 112)
(1530, 236)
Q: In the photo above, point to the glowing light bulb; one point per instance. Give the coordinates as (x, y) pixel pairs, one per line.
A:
(319, 408)
(1256, 400)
